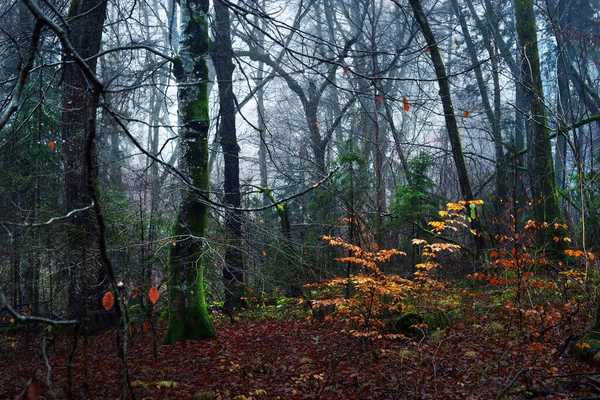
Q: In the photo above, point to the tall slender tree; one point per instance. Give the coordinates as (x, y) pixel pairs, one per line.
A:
(233, 271)
(449, 115)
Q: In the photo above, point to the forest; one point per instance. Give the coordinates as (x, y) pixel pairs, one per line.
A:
(299, 199)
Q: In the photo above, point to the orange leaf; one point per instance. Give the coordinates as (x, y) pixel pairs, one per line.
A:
(466, 114)
(346, 70)
(108, 301)
(153, 295)
(51, 144)
(427, 50)
(134, 293)
(380, 99)
(146, 325)
(406, 104)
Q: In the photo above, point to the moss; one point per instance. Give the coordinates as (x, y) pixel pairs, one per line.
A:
(588, 347)
(196, 34)
(178, 70)
(197, 109)
(437, 319)
(405, 324)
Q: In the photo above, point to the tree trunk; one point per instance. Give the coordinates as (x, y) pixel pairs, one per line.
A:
(233, 271)
(86, 19)
(449, 115)
(188, 316)
(541, 169)
(492, 114)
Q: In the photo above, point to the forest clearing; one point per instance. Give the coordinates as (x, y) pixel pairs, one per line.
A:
(270, 354)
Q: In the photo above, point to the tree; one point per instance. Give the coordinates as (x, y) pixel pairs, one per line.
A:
(86, 20)
(449, 115)
(539, 152)
(233, 270)
(188, 316)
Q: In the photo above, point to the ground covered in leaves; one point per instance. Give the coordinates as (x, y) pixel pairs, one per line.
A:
(297, 358)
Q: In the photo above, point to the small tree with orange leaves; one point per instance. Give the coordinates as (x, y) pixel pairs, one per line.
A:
(369, 299)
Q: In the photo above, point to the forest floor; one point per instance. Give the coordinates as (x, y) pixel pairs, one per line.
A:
(298, 358)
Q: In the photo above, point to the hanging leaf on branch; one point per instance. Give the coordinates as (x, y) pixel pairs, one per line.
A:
(108, 301)
(346, 70)
(153, 295)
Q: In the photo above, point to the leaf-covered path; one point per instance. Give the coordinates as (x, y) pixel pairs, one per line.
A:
(306, 359)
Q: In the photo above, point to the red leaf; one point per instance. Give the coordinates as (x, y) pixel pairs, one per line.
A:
(427, 50)
(108, 301)
(456, 42)
(380, 99)
(346, 70)
(153, 295)
(466, 114)
(33, 391)
(51, 144)
(134, 293)
(406, 104)
(146, 325)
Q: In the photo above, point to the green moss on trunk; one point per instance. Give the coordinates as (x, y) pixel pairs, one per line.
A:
(188, 316)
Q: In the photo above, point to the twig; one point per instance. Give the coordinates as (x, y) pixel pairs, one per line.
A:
(514, 380)
(571, 374)
(48, 367)
(25, 319)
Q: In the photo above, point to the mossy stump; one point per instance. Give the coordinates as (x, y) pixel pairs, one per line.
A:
(415, 324)
(588, 347)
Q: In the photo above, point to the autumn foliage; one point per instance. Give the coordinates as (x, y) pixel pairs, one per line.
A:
(507, 329)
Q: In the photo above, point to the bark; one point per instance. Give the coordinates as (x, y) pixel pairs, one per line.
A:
(492, 114)
(233, 271)
(541, 169)
(188, 316)
(86, 19)
(449, 115)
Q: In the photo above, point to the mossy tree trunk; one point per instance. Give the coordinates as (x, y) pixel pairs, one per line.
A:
(539, 151)
(188, 316)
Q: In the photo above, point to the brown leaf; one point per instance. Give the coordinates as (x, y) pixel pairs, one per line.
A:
(34, 390)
